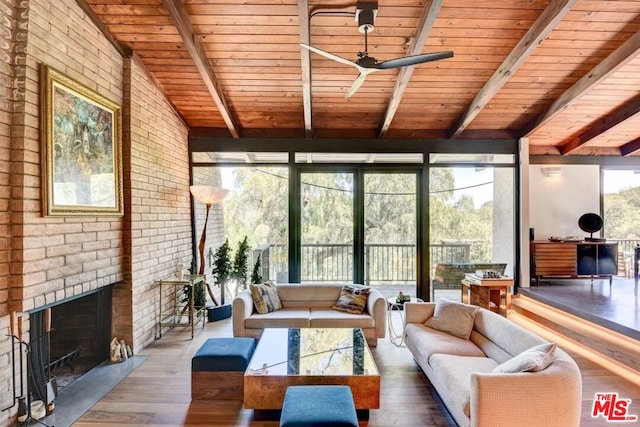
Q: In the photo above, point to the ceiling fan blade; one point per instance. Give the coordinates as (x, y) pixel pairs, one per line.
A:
(330, 55)
(413, 60)
(364, 72)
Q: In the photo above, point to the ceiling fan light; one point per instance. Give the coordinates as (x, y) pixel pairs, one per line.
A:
(365, 21)
(365, 15)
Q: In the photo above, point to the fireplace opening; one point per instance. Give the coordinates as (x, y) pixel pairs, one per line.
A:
(78, 341)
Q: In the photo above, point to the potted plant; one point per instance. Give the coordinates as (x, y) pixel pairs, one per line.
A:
(256, 275)
(200, 296)
(222, 267)
(240, 265)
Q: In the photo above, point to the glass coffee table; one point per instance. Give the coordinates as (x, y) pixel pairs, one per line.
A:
(311, 356)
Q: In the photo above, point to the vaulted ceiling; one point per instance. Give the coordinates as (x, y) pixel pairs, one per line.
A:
(564, 73)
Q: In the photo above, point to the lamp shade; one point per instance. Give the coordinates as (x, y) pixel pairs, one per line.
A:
(207, 194)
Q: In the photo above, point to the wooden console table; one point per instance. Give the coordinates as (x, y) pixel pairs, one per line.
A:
(172, 308)
(574, 260)
(492, 294)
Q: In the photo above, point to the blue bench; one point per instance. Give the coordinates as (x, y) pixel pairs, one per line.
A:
(217, 368)
(318, 405)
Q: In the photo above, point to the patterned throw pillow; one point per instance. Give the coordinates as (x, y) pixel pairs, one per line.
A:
(352, 299)
(265, 298)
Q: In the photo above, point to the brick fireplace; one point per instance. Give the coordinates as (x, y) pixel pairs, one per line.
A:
(77, 342)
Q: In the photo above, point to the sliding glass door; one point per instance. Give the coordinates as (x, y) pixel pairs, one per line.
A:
(390, 232)
(327, 224)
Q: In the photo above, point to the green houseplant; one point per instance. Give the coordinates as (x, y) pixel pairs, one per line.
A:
(256, 276)
(200, 297)
(240, 264)
(222, 267)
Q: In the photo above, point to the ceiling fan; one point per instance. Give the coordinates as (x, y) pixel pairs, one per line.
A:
(365, 64)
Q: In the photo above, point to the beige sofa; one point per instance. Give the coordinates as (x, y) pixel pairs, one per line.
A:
(460, 371)
(309, 306)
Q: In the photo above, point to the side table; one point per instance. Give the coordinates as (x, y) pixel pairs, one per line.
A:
(173, 309)
(492, 294)
(397, 337)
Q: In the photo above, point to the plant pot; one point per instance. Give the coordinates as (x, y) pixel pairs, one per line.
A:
(219, 312)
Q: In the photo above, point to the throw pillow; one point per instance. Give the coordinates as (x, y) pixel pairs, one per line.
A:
(352, 299)
(533, 360)
(265, 298)
(453, 318)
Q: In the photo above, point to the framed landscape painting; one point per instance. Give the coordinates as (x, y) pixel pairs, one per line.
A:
(81, 149)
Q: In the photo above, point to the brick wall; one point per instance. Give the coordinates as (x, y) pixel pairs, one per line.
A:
(158, 219)
(52, 259)
(7, 46)
(62, 257)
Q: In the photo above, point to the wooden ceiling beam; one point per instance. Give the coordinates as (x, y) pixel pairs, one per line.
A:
(191, 41)
(630, 147)
(305, 62)
(612, 63)
(428, 17)
(621, 114)
(546, 22)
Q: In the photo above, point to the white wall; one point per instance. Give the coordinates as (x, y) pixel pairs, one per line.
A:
(556, 203)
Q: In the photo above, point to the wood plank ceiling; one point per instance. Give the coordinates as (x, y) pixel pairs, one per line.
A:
(564, 73)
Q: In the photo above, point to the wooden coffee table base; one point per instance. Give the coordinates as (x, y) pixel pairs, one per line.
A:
(267, 392)
(274, 414)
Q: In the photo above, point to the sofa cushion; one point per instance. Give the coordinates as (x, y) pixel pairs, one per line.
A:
(265, 298)
(323, 318)
(428, 341)
(317, 295)
(533, 360)
(489, 348)
(454, 375)
(453, 317)
(285, 318)
(504, 333)
(353, 299)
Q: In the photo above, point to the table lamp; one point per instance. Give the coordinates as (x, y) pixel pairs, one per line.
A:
(208, 195)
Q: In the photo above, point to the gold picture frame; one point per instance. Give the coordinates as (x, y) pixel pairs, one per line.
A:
(81, 149)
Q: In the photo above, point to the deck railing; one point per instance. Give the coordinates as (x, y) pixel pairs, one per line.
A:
(384, 263)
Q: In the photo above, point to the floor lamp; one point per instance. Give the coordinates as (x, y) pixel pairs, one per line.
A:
(208, 195)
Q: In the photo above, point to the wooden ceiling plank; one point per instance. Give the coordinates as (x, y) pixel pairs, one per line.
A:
(124, 52)
(621, 56)
(628, 110)
(548, 20)
(305, 62)
(183, 24)
(428, 17)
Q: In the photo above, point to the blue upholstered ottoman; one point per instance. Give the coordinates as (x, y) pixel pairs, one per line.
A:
(318, 405)
(217, 368)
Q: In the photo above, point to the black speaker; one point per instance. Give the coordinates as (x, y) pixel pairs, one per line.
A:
(531, 234)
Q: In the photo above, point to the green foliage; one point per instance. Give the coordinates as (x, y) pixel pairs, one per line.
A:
(240, 263)
(256, 277)
(260, 209)
(622, 214)
(456, 219)
(222, 267)
(200, 297)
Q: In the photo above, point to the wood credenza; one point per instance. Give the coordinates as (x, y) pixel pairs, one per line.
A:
(574, 259)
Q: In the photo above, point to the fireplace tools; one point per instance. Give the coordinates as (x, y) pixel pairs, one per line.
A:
(16, 341)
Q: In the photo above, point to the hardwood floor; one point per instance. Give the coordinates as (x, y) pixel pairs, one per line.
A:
(158, 392)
